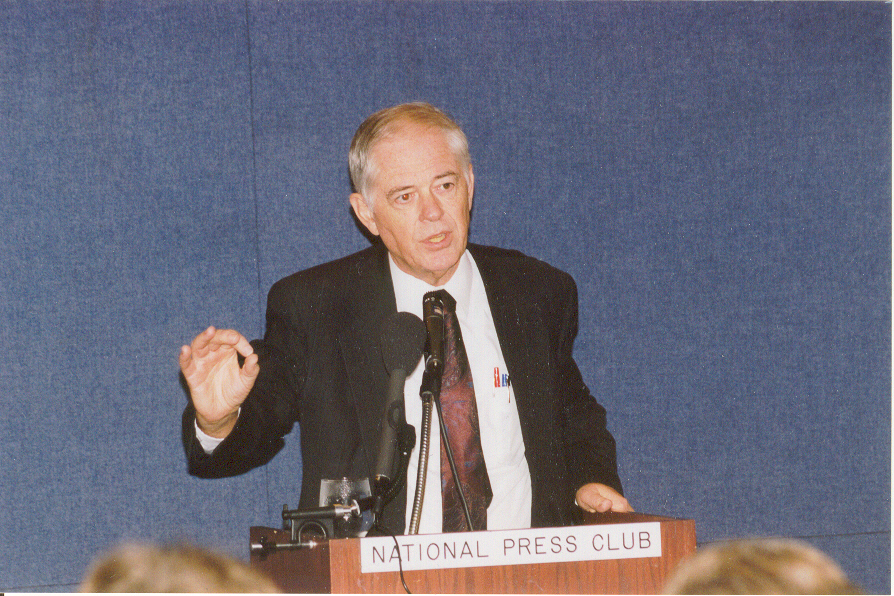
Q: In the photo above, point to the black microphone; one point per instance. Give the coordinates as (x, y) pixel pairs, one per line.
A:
(433, 313)
(403, 338)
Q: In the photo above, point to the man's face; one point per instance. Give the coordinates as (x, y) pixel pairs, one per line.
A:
(422, 200)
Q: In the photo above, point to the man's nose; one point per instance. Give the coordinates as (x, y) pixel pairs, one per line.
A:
(431, 208)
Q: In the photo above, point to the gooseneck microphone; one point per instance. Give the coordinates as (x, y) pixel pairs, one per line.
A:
(402, 341)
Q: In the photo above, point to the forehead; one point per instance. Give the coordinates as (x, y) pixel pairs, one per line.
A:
(413, 151)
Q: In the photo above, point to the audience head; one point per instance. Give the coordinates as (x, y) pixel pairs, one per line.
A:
(759, 566)
(175, 568)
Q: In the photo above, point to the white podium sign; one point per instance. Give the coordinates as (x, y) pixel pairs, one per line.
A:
(511, 547)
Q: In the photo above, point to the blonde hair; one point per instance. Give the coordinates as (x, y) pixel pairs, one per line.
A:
(390, 121)
(174, 568)
(759, 566)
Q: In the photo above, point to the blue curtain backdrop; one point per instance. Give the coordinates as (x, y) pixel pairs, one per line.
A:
(716, 177)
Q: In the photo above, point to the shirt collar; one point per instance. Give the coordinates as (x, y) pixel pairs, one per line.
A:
(409, 290)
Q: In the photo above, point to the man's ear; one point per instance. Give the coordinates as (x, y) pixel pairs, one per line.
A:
(471, 181)
(364, 213)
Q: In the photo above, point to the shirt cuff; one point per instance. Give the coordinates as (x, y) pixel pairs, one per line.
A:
(209, 443)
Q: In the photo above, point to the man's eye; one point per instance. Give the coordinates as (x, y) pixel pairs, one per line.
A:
(448, 185)
(404, 198)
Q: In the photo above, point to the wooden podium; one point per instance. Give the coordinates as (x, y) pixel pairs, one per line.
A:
(334, 566)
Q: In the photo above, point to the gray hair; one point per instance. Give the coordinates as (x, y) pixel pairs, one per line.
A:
(390, 121)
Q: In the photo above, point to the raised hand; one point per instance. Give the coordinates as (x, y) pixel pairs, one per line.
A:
(217, 384)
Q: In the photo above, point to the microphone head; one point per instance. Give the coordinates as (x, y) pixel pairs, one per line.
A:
(433, 304)
(403, 338)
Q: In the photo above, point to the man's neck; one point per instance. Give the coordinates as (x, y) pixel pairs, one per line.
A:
(409, 289)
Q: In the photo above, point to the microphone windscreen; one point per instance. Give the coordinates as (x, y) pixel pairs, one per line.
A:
(403, 339)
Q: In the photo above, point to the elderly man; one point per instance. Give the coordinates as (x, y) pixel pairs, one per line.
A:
(543, 438)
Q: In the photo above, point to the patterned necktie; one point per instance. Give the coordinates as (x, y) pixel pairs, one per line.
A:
(460, 414)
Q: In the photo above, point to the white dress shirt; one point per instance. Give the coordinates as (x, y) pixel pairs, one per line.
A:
(501, 438)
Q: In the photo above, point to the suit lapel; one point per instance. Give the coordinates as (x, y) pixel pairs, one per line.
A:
(367, 305)
(523, 339)
(525, 342)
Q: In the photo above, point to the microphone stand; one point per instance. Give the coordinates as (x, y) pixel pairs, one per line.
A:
(428, 391)
(318, 521)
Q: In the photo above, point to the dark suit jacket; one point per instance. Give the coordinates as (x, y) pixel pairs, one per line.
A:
(321, 365)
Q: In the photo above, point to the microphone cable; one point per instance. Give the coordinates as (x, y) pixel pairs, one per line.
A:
(387, 532)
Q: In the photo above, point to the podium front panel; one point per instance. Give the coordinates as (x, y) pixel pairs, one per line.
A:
(335, 566)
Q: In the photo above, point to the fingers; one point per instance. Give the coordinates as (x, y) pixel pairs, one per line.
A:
(600, 498)
(615, 503)
(589, 499)
(185, 356)
(619, 506)
(243, 346)
(203, 339)
(599, 504)
(212, 339)
(185, 360)
(214, 350)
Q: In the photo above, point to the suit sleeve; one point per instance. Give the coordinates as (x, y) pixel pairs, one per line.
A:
(272, 406)
(589, 446)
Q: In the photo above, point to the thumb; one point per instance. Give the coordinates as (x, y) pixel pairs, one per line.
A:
(250, 369)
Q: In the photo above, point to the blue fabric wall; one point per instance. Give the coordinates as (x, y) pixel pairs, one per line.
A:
(716, 176)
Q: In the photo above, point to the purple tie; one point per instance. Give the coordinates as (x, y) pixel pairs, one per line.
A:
(460, 414)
